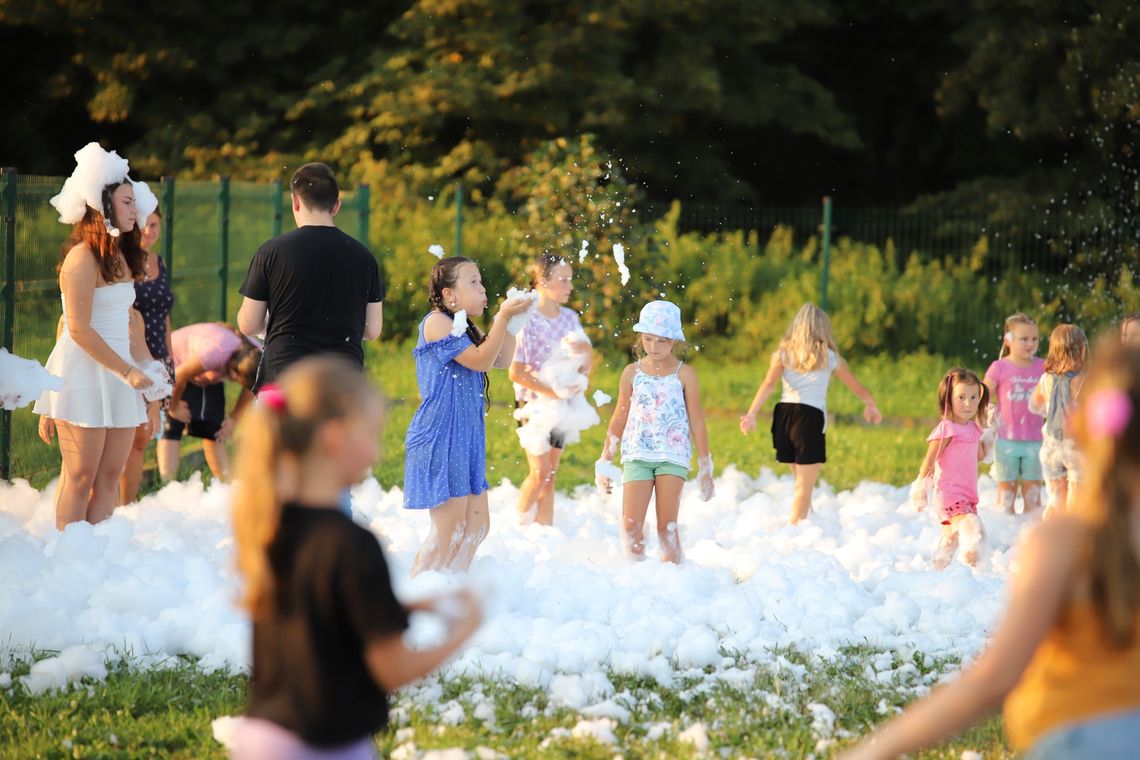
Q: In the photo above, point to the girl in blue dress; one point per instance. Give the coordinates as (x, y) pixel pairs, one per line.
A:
(445, 459)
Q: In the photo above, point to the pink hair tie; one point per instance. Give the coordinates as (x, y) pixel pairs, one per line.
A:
(273, 397)
(1108, 412)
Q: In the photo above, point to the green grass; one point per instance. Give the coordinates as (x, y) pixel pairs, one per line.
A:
(905, 390)
(167, 713)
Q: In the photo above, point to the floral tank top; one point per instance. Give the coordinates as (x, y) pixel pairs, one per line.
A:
(658, 426)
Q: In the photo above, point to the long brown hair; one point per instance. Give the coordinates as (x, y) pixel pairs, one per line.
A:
(1068, 350)
(92, 230)
(1107, 495)
(316, 390)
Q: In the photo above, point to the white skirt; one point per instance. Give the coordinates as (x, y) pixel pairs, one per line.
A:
(93, 396)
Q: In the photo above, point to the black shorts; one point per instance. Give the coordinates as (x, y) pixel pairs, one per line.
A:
(207, 410)
(557, 440)
(797, 434)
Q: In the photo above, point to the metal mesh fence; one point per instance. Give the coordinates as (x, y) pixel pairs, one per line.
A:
(209, 234)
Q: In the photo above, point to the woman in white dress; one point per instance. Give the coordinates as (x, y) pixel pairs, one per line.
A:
(100, 405)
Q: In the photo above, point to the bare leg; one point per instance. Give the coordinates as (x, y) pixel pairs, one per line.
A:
(1031, 495)
(447, 526)
(132, 470)
(531, 488)
(217, 458)
(947, 545)
(1007, 493)
(973, 535)
(668, 503)
(476, 526)
(82, 448)
(105, 492)
(634, 505)
(169, 453)
(806, 475)
(545, 514)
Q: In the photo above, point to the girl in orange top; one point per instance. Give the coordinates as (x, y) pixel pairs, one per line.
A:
(1066, 657)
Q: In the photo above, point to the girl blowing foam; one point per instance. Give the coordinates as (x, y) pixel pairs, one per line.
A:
(951, 466)
(327, 627)
(1064, 659)
(445, 464)
(657, 418)
(803, 364)
(1053, 399)
(552, 277)
(1011, 378)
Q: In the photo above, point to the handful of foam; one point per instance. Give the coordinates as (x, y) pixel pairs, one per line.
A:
(22, 381)
(516, 323)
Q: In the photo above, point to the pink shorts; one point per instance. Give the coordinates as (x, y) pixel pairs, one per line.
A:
(949, 511)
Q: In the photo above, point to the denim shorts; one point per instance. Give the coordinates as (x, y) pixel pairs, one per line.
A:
(1016, 460)
(636, 469)
(1109, 737)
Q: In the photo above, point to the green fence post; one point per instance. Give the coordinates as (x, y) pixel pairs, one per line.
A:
(224, 232)
(363, 205)
(278, 208)
(826, 251)
(8, 296)
(458, 218)
(168, 224)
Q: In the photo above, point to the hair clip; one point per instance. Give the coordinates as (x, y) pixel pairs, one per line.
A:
(273, 397)
(1108, 412)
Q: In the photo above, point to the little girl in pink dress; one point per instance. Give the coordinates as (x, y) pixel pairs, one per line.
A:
(951, 467)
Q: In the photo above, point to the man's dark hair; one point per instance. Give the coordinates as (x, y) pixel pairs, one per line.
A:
(315, 184)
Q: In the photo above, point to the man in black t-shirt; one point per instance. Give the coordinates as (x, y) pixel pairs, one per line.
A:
(314, 290)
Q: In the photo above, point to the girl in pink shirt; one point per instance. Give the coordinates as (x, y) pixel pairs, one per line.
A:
(1011, 379)
(951, 466)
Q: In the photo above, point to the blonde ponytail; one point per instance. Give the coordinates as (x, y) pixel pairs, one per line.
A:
(257, 508)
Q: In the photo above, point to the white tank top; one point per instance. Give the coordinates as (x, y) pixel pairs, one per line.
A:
(808, 387)
(657, 429)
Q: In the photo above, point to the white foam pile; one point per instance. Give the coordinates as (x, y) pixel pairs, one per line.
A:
(570, 413)
(563, 607)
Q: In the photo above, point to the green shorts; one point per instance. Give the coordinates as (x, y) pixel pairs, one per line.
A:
(635, 470)
(1016, 460)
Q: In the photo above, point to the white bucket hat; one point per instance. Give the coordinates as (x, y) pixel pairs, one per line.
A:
(660, 318)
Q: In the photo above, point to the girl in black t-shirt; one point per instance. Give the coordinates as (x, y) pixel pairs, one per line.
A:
(327, 627)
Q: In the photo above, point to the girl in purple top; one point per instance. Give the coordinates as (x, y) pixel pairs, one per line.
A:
(951, 466)
(552, 277)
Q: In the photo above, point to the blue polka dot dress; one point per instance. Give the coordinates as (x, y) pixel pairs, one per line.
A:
(445, 450)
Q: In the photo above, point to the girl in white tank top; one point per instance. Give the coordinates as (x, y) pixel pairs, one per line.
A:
(657, 421)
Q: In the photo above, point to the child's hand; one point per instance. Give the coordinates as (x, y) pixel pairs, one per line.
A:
(225, 430)
(871, 413)
(920, 493)
(180, 412)
(605, 473)
(747, 423)
(705, 477)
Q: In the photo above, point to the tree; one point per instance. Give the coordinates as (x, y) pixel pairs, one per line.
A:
(477, 85)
